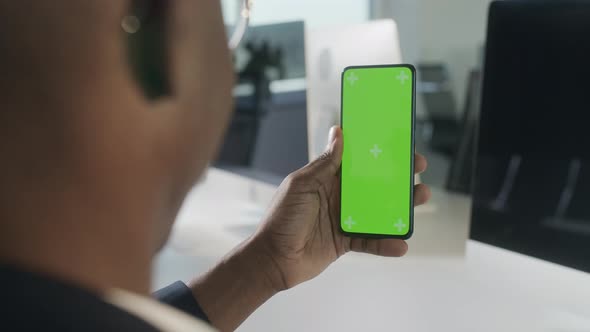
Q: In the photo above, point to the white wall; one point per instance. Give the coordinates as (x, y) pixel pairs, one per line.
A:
(315, 13)
(451, 31)
(405, 13)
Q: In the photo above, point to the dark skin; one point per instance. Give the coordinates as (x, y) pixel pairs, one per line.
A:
(89, 161)
(299, 239)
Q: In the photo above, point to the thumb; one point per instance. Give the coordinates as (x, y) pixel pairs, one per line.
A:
(327, 165)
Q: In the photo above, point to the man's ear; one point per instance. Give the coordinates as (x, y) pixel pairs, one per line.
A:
(145, 27)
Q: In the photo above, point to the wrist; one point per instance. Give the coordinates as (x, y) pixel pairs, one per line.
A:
(265, 267)
(237, 286)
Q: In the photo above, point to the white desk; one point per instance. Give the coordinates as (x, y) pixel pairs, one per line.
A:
(489, 289)
(223, 203)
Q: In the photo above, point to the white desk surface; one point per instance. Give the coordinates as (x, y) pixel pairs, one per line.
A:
(487, 289)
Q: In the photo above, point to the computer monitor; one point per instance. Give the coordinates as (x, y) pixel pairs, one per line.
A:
(532, 177)
(328, 52)
(267, 137)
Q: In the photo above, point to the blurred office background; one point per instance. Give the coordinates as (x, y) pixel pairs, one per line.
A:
(504, 243)
(287, 96)
(444, 39)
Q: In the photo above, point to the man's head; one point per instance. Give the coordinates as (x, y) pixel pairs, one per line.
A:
(85, 155)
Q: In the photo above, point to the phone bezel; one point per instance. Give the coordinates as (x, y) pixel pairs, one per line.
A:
(412, 148)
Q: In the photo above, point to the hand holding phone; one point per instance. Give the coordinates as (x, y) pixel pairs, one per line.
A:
(377, 176)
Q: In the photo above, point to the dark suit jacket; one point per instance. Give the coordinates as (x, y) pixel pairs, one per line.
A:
(32, 302)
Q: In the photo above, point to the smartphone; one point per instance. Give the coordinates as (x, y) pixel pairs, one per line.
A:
(377, 174)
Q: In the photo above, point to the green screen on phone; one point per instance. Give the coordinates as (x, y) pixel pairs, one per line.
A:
(377, 164)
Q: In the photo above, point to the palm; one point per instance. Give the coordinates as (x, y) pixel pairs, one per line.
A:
(303, 229)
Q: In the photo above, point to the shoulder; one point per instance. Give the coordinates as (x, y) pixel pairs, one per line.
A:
(31, 302)
(165, 317)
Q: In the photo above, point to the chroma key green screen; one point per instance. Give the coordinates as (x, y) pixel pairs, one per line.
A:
(377, 165)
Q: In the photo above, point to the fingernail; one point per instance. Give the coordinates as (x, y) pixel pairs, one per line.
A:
(332, 135)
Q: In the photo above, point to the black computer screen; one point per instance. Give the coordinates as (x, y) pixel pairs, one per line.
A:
(532, 177)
